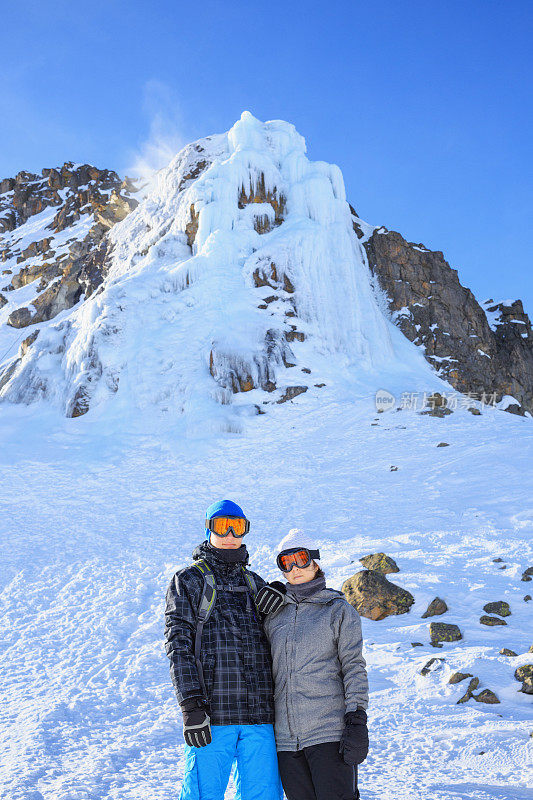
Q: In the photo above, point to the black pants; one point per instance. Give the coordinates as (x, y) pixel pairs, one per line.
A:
(317, 773)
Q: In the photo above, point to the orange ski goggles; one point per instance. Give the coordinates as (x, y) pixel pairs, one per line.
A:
(223, 526)
(296, 557)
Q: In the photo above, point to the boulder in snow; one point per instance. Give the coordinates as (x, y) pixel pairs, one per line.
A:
(375, 597)
(486, 696)
(525, 674)
(435, 608)
(474, 683)
(491, 621)
(499, 607)
(457, 677)
(379, 562)
(444, 632)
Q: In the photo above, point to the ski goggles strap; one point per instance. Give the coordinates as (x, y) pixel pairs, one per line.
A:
(296, 557)
(222, 526)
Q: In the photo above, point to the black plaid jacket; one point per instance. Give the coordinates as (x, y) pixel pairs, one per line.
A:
(235, 653)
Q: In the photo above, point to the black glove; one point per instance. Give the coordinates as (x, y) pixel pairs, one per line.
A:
(353, 746)
(196, 723)
(270, 597)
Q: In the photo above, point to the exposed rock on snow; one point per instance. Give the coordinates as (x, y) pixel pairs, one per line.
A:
(89, 202)
(472, 686)
(498, 607)
(375, 597)
(506, 652)
(491, 621)
(486, 696)
(444, 632)
(292, 392)
(525, 674)
(379, 562)
(527, 574)
(457, 677)
(435, 608)
(432, 665)
(436, 406)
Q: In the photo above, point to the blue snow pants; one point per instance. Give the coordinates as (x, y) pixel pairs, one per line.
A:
(207, 769)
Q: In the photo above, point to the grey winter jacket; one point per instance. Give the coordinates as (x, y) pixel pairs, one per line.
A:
(318, 666)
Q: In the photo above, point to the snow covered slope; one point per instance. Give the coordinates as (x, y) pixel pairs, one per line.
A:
(166, 368)
(238, 271)
(94, 524)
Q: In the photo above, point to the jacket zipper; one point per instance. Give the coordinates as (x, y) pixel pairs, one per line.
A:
(297, 606)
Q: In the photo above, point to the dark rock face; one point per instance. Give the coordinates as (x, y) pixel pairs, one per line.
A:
(433, 309)
(259, 194)
(64, 274)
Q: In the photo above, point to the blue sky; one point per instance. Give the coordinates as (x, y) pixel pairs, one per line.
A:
(425, 106)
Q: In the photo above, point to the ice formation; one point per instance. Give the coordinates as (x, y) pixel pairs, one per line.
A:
(239, 266)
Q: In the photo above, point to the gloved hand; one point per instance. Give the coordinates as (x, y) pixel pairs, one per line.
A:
(270, 597)
(196, 723)
(353, 746)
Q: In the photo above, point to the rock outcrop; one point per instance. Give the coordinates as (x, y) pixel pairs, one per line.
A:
(486, 352)
(68, 260)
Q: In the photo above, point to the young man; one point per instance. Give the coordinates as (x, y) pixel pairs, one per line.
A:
(222, 673)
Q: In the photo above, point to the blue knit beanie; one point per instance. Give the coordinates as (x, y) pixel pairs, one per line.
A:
(223, 508)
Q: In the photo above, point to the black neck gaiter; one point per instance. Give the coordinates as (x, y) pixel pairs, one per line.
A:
(235, 555)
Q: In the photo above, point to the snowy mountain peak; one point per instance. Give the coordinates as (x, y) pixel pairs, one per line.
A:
(236, 277)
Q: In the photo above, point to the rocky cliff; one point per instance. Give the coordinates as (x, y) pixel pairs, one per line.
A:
(483, 350)
(53, 230)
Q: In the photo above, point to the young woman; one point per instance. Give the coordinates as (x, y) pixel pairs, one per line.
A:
(320, 681)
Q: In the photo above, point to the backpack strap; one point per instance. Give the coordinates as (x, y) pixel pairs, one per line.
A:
(205, 607)
(250, 580)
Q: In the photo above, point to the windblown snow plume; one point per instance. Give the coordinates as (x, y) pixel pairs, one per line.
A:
(240, 269)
